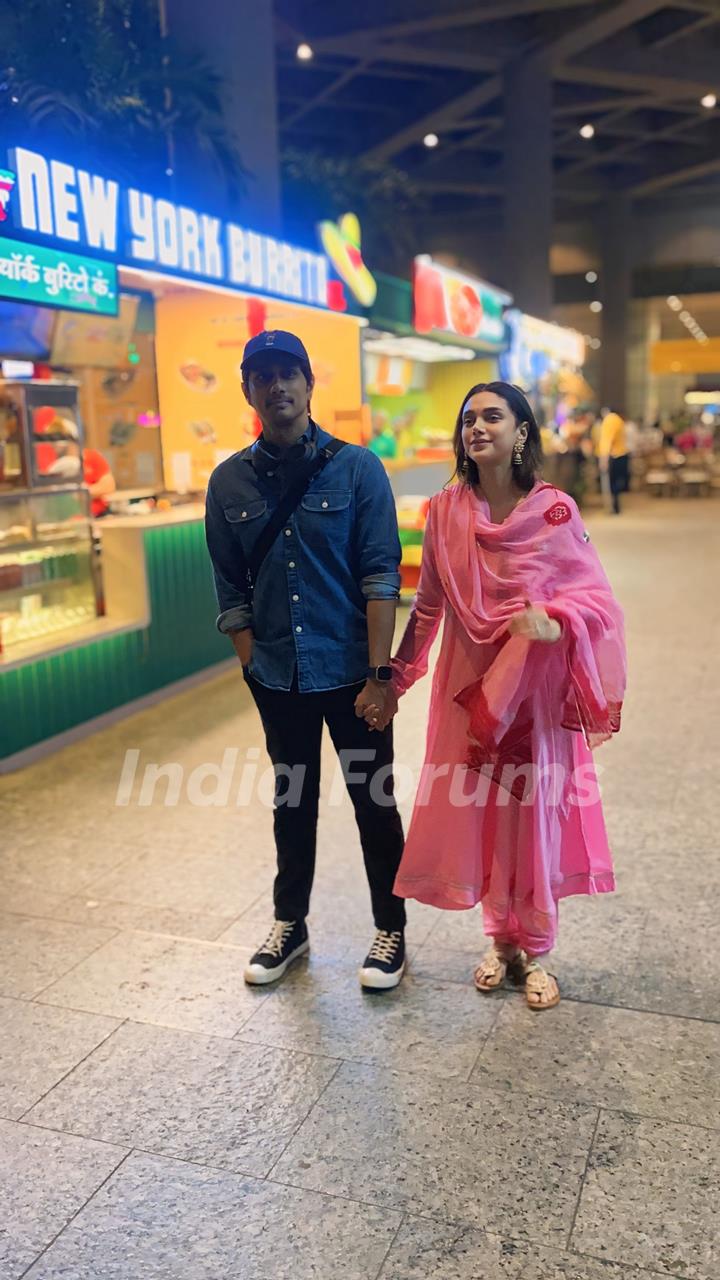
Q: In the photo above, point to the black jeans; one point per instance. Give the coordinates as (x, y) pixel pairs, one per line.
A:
(619, 479)
(293, 724)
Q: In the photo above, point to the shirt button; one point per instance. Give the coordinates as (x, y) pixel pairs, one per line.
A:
(296, 598)
(298, 628)
(291, 565)
(271, 473)
(324, 504)
(243, 514)
(288, 532)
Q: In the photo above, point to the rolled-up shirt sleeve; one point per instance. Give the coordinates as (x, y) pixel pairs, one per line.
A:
(377, 543)
(229, 569)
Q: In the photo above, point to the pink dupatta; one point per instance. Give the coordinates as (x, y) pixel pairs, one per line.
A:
(540, 553)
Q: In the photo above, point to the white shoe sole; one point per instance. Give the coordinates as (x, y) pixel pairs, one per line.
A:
(375, 980)
(256, 975)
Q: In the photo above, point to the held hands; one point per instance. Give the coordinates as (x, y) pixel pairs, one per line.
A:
(376, 704)
(535, 624)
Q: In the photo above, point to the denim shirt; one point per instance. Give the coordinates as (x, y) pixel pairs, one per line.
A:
(338, 550)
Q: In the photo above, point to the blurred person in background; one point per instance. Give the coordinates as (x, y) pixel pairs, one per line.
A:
(613, 459)
(533, 641)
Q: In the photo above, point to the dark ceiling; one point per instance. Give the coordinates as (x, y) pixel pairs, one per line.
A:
(399, 69)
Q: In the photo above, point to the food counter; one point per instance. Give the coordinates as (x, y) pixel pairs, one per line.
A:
(157, 629)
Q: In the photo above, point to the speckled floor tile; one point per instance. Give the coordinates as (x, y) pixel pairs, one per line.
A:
(213, 1101)
(85, 909)
(45, 1178)
(638, 1062)
(598, 948)
(57, 861)
(427, 1026)
(444, 1149)
(194, 986)
(189, 878)
(652, 1197)
(35, 952)
(20, 898)
(38, 1045)
(436, 1251)
(441, 965)
(162, 1219)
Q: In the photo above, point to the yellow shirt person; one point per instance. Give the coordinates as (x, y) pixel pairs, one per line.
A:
(613, 437)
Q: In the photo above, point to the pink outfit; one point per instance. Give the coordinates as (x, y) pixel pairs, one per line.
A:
(507, 811)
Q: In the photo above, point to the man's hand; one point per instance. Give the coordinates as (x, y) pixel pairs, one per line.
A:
(377, 704)
(243, 645)
(535, 624)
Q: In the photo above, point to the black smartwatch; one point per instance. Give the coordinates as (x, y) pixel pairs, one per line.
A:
(383, 675)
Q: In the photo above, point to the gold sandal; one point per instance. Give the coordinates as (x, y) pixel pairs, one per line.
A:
(538, 982)
(493, 969)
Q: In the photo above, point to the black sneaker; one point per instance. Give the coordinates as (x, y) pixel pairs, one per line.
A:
(287, 940)
(384, 963)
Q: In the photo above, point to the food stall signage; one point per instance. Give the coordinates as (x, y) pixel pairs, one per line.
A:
(64, 203)
(342, 243)
(448, 301)
(54, 278)
(565, 346)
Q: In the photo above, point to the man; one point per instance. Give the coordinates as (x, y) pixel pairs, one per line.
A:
(613, 458)
(312, 626)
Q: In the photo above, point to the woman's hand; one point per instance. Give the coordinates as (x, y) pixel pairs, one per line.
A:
(377, 712)
(535, 624)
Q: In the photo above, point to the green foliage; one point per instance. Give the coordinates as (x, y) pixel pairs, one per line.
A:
(101, 72)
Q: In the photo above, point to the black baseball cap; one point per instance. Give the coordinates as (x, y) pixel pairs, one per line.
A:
(272, 341)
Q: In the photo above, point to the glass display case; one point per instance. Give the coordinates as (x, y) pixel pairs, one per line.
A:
(47, 582)
(46, 565)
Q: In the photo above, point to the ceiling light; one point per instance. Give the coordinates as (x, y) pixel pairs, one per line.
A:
(684, 316)
(304, 52)
(596, 306)
(595, 343)
(431, 140)
(709, 101)
(591, 277)
(674, 302)
(587, 131)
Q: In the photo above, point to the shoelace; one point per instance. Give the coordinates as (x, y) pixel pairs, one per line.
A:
(277, 937)
(384, 946)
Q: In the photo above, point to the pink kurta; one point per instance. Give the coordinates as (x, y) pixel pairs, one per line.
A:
(507, 811)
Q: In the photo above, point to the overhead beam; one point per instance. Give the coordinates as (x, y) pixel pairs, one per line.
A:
(440, 118)
(665, 87)
(412, 54)
(317, 99)
(573, 42)
(599, 28)
(676, 177)
(478, 15)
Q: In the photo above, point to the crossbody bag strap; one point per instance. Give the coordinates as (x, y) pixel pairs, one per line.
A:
(287, 506)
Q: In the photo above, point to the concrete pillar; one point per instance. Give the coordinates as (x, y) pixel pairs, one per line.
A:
(237, 41)
(528, 183)
(615, 293)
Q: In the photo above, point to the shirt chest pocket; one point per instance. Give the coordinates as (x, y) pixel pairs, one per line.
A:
(245, 520)
(325, 516)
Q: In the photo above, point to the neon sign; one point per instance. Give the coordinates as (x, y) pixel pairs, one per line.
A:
(448, 301)
(55, 278)
(64, 203)
(341, 242)
(7, 182)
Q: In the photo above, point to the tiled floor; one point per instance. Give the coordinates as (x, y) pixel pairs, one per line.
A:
(160, 1121)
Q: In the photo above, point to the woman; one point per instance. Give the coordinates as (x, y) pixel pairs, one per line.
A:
(530, 676)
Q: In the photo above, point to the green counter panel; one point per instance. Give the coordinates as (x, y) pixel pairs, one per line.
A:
(50, 695)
